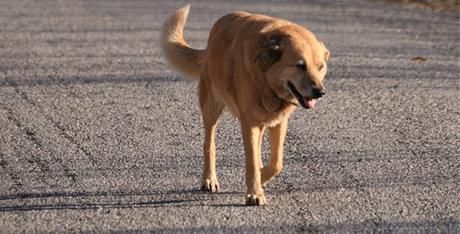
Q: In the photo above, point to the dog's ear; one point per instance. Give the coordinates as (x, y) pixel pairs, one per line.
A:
(327, 54)
(270, 52)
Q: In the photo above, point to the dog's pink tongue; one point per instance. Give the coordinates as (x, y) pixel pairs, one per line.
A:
(310, 103)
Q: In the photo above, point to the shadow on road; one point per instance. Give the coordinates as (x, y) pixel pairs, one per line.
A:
(96, 206)
(104, 205)
(113, 79)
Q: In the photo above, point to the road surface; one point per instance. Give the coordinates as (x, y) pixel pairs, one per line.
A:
(98, 134)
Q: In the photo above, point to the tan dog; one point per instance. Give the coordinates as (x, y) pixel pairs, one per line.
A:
(259, 68)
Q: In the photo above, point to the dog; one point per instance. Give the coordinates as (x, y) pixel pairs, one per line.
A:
(260, 69)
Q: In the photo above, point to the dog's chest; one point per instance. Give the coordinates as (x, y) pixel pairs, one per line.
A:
(273, 119)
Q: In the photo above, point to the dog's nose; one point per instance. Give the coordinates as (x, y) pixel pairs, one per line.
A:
(318, 92)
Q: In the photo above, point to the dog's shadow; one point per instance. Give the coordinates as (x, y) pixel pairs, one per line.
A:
(107, 200)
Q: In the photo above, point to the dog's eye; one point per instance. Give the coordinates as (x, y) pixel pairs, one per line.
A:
(301, 65)
(321, 66)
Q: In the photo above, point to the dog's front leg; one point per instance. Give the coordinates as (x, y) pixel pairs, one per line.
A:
(261, 139)
(275, 165)
(251, 135)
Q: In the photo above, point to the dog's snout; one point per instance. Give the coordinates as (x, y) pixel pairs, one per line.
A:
(318, 92)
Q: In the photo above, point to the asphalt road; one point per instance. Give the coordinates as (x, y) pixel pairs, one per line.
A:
(98, 134)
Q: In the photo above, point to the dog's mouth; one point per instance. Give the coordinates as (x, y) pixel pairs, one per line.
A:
(305, 102)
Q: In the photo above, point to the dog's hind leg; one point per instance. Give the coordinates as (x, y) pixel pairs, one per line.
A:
(275, 165)
(211, 109)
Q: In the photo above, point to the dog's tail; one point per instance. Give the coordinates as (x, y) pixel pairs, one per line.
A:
(176, 50)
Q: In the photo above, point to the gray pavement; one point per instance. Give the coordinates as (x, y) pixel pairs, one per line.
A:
(97, 133)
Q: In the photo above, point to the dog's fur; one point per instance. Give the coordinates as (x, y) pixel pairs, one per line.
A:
(258, 67)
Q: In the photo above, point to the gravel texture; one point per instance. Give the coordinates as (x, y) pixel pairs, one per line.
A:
(98, 134)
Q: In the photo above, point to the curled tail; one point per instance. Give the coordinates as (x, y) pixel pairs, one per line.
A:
(176, 50)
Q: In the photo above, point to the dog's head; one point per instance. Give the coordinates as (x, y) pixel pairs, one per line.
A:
(294, 64)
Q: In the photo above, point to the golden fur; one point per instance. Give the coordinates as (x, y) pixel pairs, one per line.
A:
(259, 68)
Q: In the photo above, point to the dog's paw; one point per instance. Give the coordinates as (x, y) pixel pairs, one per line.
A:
(210, 184)
(268, 173)
(255, 199)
